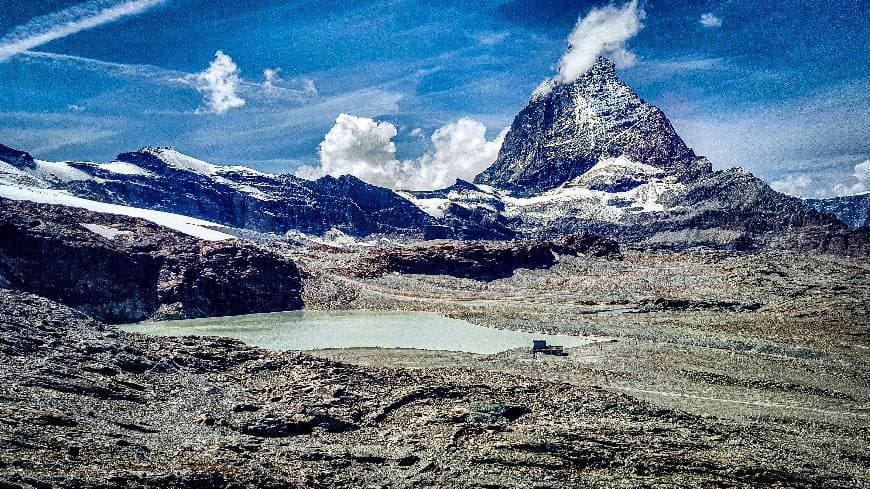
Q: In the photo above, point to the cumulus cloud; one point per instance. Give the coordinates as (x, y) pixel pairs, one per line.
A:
(795, 185)
(861, 184)
(362, 147)
(602, 32)
(219, 84)
(62, 23)
(710, 20)
(459, 150)
(803, 185)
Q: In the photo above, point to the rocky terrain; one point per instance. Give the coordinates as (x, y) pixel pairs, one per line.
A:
(84, 405)
(713, 367)
(120, 269)
(479, 260)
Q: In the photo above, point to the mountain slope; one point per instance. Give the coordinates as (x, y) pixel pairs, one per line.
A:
(121, 269)
(593, 156)
(854, 210)
(165, 180)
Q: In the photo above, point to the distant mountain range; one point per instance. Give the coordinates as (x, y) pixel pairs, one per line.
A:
(589, 156)
(854, 210)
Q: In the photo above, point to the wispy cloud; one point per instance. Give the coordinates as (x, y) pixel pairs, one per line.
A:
(491, 38)
(602, 32)
(803, 185)
(270, 77)
(710, 21)
(62, 23)
(822, 134)
(162, 76)
(138, 71)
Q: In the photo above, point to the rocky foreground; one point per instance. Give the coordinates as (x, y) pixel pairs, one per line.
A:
(84, 405)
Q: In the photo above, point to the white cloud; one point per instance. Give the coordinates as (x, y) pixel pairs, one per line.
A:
(803, 185)
(602, 32)
(460, 150)
(416, 133)
(861, 184)
(710, 20)
(270, 76)
(795, 185)
(62, 23)
(362, 147)
(309, 88)
(219, 84)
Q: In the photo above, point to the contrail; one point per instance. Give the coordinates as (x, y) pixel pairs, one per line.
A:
(62, 23)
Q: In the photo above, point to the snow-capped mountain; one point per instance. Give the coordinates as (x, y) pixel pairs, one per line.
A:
(163, 179)
(854, 210)
(588, 156)
(593, 156)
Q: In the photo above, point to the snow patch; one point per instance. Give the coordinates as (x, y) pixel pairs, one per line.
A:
(435, 207)
(197, 228)
(104, 231)
(124, 168)
(543, 90)
(60, 171)
(616, 173)
(181, 161)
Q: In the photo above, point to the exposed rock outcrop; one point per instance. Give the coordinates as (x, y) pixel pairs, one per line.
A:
(481, 260)
(120, 269)
(568, 128)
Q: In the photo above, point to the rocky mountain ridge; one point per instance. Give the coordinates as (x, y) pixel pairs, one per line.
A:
(165, 180)
(566, 129)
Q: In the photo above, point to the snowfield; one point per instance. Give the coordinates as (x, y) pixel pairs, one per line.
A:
(197, 228)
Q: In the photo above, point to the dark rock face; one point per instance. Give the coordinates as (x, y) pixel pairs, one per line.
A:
(562, 133)
(16, 158)
(482, 260)
(143, 271)
(854, 210)
(585, 244)
(477, 260)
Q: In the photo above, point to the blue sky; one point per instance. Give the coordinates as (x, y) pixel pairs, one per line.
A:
(781, 88)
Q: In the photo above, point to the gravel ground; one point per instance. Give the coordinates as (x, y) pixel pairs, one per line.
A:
(718, 370)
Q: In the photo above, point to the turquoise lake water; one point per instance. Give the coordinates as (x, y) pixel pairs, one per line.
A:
(312, 330)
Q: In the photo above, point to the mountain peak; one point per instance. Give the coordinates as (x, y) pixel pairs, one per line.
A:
(602, 69)
(568, 127)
